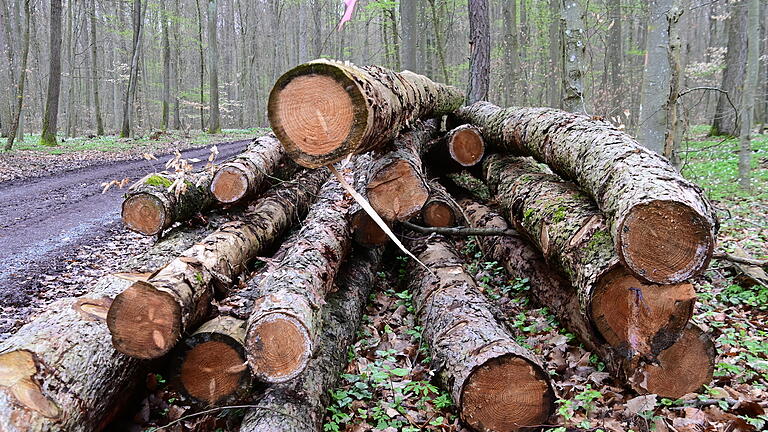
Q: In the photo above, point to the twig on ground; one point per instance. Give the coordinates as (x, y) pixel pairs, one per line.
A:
(725, 256)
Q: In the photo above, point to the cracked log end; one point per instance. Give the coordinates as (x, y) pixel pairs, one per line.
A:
(144, 213)
(683, 368)
(438, 214)
(466, 146)
(318, 113)
(214, 370)
(144, 322)
(17, 376)
(278, 348)
(507, 393)
(366, 232)
(229, 184)
(397, 192)
(645, 322)
(665, 241)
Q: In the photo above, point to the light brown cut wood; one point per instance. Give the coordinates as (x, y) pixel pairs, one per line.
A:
(440, 210)
(283, 345)
(466, 145)
(366, 232)
(229, 184)
(144, 214)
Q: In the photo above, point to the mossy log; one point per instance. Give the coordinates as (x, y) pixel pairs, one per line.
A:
(632, 315)
(299, 405)
(285, 319)
(497, 384)
(662, 225)
(671, 373)
(324, 110)
(60, 372)
(397, 188)
(246, 175)
(149, 207)
(147, 319)
(440, 209)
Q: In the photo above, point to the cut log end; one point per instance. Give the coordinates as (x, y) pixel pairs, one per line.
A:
(683, 368)
(144, 322)
(17, 375)
(366, 232)
(213, 371)
(665, 241)
(144, 213)
(507, 393)
(438, 214)
(397, 192)
(278, 347)
(229, 185)
(637, 317)
(467, 147)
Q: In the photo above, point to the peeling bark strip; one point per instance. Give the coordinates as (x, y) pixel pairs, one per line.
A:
(633, 316)
(148, 318)
(284, 324)
(465, 145)
(299, 405)
(440, 210)
(245, 175)
(675, 374)
(324, 110)
(60, 372)
(396, 186)
(497, 384)
(150, 207)
(662, 225)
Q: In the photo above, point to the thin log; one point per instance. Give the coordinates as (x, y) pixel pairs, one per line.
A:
(299, 405)
(324, 110)
(497, 384)
(148, 318)
(662, 225)
(632, 315)
(440, 209)
(365, 231)
(465, 145)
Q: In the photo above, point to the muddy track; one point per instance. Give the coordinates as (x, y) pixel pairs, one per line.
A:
(43, 219)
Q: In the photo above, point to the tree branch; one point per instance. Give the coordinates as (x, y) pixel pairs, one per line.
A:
(460, 231)
(725, 256)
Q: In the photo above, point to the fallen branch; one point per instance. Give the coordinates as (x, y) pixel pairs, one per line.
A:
(460, 231)
(725, 256)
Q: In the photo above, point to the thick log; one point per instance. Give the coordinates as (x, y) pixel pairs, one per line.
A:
(397, 188)
(662, 225)
(325, 110)
(365, 231)
(299, 405)
(440, 210)
(465, 145)
(149, 207)
(60, 372)
(551, 289)
(246, 174)
(285, 320)
(147, 319)
(632, 315)
(497, 384)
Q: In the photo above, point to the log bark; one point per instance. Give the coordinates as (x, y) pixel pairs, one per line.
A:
(465, 145)
(633, 316)
(285, 320)
(397, 188)
(440, 210)
(148, 318)
(662, 225)
(324, 110)
(299, 405)
(60, 372)
(246, 175)
(497, 384)
(149, 207)
(672, 376)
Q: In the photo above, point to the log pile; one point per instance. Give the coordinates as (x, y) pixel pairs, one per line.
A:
(607, 234)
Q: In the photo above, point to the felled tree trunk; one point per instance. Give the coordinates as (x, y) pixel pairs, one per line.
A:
(465, 145)
(285, 321)
(147, 319)
(246, 175)
(149, 207)
(60, 372)
(497, 384)
(299, 405)
(549, 288)
(633, 316)
(324, 110)
(397, 188)
(662, 225)
(365, 231)
(440, 210)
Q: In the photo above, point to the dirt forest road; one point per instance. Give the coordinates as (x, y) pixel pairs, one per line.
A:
(43, 219)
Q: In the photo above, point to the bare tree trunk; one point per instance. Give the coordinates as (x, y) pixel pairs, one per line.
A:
(166, 103)
(410, 32)
(214, 123)
(615, 54)
(177, 69)
(573, 55)
(672, 133)
(480, 51)
(202, 64)
(439, 40)
(130, 92)
(95, 71)
(748, 98)
(50, 119)
(724, 122)
(554, 98)
(22, 78)
(511, 59)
